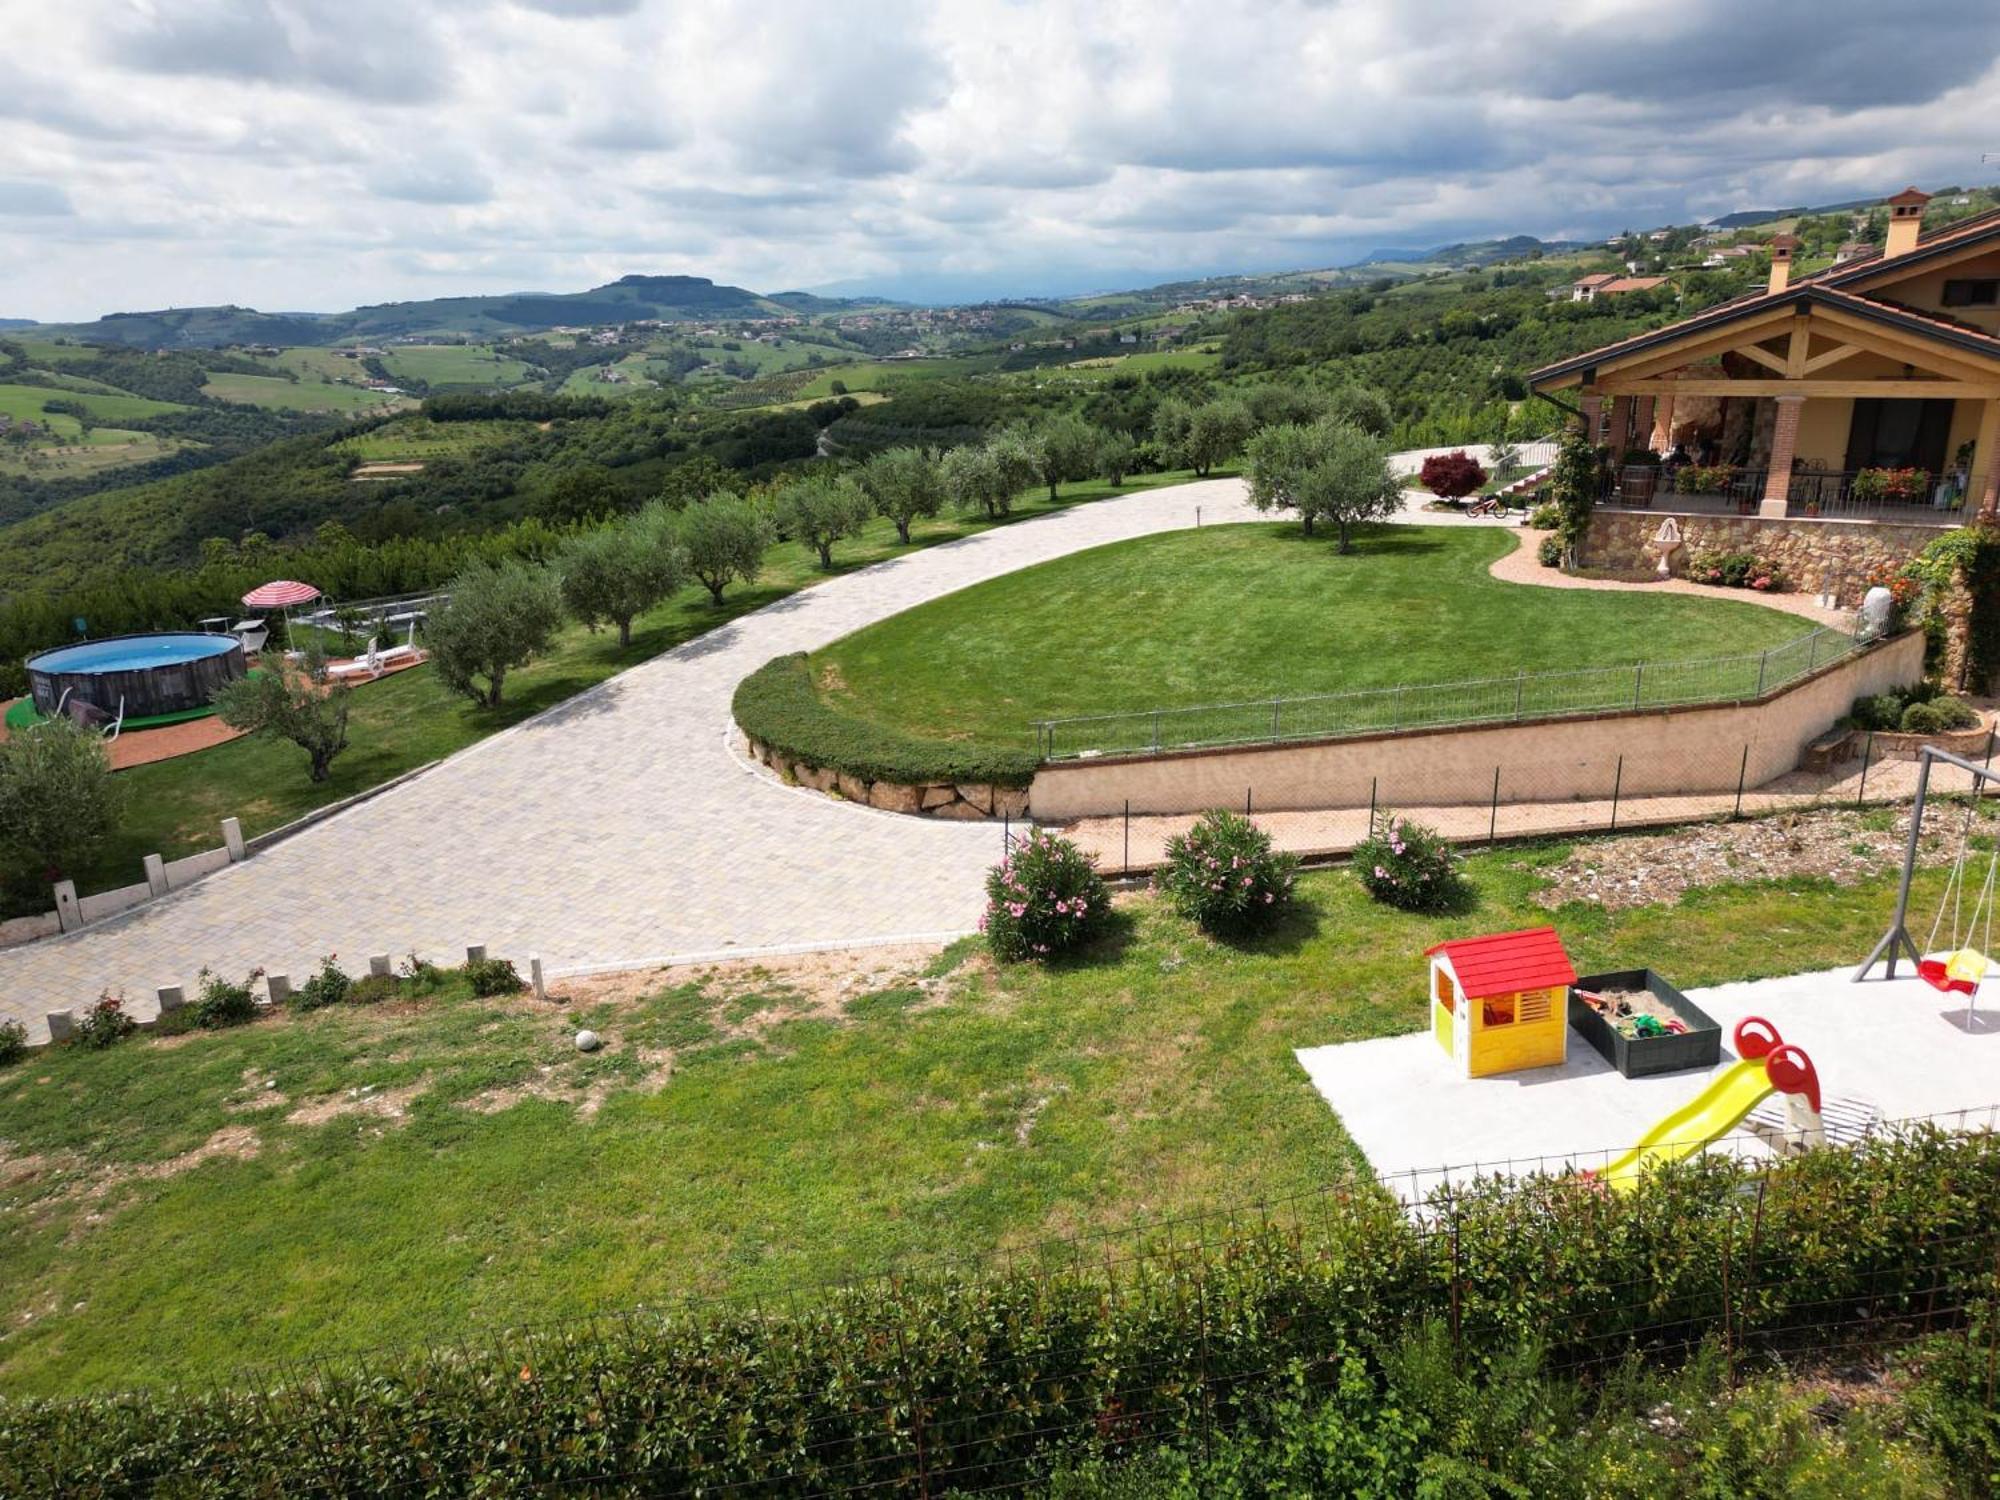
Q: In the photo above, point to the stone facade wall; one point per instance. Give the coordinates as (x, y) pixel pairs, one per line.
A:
(1830, 555)
(958, 801)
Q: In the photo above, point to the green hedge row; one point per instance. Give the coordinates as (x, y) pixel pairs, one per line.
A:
(778, 705)
(940, 1381)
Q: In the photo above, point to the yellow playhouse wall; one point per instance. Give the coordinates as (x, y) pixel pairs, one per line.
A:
(1536, 1044)
(1441, 1026)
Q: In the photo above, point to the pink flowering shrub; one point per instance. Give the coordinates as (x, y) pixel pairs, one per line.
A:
(1224, 876)
(1044, 899)
(1410, 867)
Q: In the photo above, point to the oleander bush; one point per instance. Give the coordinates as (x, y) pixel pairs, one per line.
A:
(1410, 866)
(1045, 899)
(778, 706)
(928, 1379)
(1224, 876)
(1736, 570)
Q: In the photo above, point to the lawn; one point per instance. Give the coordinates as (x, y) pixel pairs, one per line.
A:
(436, 1168)
(454, 364)
(175, 807)
(279, 394)
(1225, 614)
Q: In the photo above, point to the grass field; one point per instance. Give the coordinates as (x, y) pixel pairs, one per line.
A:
(880, 374)
(175, 807)
(109, 448)
(433, 1169)
(1105, 367)
(30, 402)
(298, 395)
(415, 436)
(454, 364)
(1225, 614)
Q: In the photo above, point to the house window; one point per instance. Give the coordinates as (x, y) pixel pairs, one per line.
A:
(1497, 1010)
(1445, 995)
(1980, 292)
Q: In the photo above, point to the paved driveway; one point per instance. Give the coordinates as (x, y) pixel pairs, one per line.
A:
(617, 829)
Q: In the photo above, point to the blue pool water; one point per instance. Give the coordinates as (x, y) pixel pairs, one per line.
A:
(132, 653)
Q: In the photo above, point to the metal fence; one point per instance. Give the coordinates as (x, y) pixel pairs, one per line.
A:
(1435, 705)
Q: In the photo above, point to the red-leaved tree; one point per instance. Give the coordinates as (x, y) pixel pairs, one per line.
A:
(1452, 476)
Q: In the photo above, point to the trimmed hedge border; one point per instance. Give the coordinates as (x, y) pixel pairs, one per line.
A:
(920, 1382)
(778, 708)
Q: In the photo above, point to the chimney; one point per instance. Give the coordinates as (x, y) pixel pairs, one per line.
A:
(1906, 217)
(1782, 246)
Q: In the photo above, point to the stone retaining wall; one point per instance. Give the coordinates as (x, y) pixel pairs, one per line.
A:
(1832, 556)
(958, 801)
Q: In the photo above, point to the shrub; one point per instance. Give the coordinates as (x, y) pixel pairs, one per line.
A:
(58, 803)
(1704, 479)
(13, 1042)
(329, 986)
(1881, 711)
(1875, 485)
(1550, 552)
(1410, 867)
(218, 1003)
(1545, 517)
(105, 1023)
(492, 976)
(1043, 900)
(1736, 570)
(1452, 476)
(777, 705)
(300, 707)
(371, 989)
(1224, 876)
(1937, 716)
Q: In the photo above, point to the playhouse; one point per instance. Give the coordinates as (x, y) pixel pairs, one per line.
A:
(1499, 1002)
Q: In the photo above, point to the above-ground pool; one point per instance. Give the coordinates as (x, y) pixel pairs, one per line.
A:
(149, 674)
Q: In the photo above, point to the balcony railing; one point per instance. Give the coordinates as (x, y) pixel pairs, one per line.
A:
(1914, 497)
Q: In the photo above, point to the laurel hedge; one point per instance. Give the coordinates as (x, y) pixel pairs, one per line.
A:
(778, 706)
(967, 1380)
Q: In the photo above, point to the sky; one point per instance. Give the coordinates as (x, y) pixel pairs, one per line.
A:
(314, 155)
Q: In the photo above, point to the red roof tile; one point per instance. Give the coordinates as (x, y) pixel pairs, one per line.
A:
(1502, 963)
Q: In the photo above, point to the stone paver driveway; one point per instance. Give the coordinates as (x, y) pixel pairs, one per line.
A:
(617, 829)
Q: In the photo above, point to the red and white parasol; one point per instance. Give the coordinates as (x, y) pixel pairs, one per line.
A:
(282, 593)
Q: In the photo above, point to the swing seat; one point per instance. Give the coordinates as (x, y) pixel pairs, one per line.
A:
(1957, 973)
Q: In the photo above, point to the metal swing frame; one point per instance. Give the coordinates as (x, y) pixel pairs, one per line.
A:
(1897, 941)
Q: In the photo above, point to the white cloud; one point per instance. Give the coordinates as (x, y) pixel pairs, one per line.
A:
(321, 153)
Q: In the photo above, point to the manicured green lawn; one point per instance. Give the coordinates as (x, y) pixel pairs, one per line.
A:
(1226, 614)
(992, 1109)
(176, 807)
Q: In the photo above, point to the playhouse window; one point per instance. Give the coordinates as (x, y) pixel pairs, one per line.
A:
(1534, 1006)
(1497, 1010)
(1446, 996)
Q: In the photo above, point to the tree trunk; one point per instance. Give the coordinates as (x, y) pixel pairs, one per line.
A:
(903, 530)
(494, 684)
(1345, 544)
(1306, 517)
(714, 592)
(1052, 491)
(825, 550)
(625, 631)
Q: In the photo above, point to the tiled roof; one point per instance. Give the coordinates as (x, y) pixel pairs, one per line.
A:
(1502, 963)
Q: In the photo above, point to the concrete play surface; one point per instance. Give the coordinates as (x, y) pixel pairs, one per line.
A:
(1896, 1047)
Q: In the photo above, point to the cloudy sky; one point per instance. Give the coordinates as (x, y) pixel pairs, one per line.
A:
(316, 154)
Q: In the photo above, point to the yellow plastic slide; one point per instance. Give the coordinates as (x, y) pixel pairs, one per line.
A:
(1710, 1115)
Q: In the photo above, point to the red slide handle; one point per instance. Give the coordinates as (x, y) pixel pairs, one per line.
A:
(1791, 1072)
(1756, 1038)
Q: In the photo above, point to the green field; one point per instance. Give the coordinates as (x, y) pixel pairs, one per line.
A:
(1201, 357)
(1225, 614)
(109, 448)
(413, 436)
(807, 1131)
(880, 374)
(298, 395)
(29, 402)
(454, 364)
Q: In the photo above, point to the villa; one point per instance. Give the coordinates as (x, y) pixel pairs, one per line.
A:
(1871, 387)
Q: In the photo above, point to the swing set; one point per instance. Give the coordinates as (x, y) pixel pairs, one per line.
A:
(1958, 968)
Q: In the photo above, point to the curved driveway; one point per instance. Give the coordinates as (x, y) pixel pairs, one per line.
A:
(616, 830)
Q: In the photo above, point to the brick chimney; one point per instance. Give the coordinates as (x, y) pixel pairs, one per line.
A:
(1782, 246)
(1906, 217)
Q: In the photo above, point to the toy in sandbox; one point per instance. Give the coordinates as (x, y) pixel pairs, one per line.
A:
(1642, 1025)
(1497, 1001)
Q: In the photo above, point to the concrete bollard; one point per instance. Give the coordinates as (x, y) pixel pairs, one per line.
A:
(69, 916)
(280, 986)
(378, 966)
(476, 953)
(156, 874)
(171, 997)
(232, 839)
(535, 976)
(62, 1025)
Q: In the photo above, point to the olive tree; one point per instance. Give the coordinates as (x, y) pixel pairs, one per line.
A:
(820, 509)
(1115, 456)
(612, 575)
(1326, 471)
(905, 485)
(723, 539)
(58, 802)
(302, 707)
(1364, 407)
(499, 618)
(983, 478)
(1061, 447)
(1217, 431)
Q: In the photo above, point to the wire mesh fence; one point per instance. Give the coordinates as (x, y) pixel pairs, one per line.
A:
(1488, 700)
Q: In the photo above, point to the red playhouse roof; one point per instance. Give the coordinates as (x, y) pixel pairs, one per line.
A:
(1501, 963)
(280, 594)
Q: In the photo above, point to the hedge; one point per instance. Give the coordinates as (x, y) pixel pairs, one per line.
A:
(778, 706)
(951, 1379)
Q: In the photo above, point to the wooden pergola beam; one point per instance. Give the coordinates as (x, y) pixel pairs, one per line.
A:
(1910, 390)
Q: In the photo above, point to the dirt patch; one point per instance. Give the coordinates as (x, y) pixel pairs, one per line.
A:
(812, 982)
(238, 1142)
(367, 1100)
(1839, 845)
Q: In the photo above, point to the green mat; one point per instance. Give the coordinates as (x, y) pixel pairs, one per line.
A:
(24, 715)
